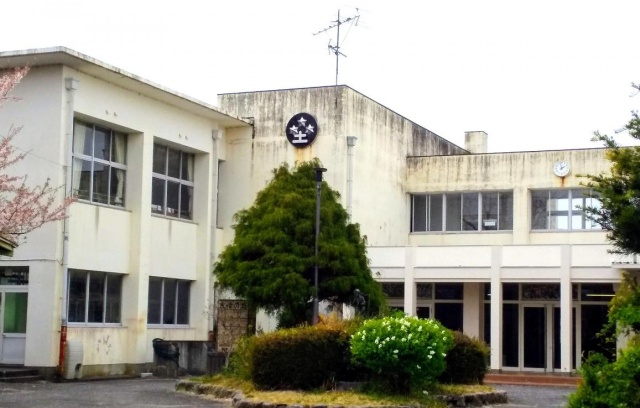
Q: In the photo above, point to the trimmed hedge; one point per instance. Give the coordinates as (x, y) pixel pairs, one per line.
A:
(466, 361)
(301, 358)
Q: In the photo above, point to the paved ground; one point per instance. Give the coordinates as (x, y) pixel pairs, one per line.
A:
(135, 393)
(153, 392)
(527, 396)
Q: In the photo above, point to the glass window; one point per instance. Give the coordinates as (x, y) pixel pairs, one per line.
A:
(14, 275)
(168, 301)
(470, 212)
(562, 210)
(393, 289)
(99, 166)
(172, 184)
(419, 213)
(484, 211)
(453, 210)
(449, 291)
(94, 297)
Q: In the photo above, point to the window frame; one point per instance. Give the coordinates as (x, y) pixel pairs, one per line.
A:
(110, 164)
(447, 219)
(87, 295)
(180, 181)
(177, 302)
(568, 214)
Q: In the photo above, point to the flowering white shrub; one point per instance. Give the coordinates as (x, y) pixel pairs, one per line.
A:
(402, 350)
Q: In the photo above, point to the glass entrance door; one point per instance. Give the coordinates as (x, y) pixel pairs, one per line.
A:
(13, 327)
(535, 337)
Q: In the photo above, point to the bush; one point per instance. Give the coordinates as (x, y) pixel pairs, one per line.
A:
(300, 358)
(466, 361)
(402, 351)
(609, 384)
(240, 360)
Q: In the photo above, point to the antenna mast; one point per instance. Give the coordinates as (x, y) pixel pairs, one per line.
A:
(336, 48)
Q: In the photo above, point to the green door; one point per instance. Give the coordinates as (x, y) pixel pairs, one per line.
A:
(13, 327)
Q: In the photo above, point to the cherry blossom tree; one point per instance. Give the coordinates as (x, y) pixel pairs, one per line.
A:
(23, 207)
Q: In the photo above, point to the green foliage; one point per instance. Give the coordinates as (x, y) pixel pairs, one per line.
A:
(606, 384)
(402, 351)
(619, 192)
(624, 309)
(301, 358)
(271, 260)
(466, 361)
(240, 361)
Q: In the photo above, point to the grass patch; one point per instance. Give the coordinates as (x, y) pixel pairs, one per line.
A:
(344, 398)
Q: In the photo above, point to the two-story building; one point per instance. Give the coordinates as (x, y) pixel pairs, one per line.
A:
(494, 244)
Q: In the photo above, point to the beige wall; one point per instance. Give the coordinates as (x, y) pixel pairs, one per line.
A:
(128, 241)
(519, 172)
(384, 140)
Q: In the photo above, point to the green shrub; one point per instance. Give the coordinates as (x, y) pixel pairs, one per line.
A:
(466, 361)
(609, 384)
(299, 358)
(240, 360)
(402, 351)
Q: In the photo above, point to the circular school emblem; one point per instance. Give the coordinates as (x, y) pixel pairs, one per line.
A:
(301, 130)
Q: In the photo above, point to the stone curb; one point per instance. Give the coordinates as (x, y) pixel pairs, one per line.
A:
(238, 399)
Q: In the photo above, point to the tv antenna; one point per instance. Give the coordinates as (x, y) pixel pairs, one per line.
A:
(335, 49)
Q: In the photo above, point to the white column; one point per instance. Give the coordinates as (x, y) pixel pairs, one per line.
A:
(135, 288)
(566, 307)
(409, 281)
(496, 308)
(472, 306)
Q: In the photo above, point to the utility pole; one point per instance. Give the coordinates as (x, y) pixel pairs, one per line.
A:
(335, 49)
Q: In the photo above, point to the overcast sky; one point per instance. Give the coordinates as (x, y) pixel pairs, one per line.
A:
(534, 75)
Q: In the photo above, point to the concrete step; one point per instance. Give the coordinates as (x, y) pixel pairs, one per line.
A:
(542, 379)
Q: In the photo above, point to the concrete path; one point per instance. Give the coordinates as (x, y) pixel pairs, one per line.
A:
(530, 396)
(135, 393)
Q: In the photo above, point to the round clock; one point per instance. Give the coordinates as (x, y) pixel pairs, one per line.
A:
(561, 168)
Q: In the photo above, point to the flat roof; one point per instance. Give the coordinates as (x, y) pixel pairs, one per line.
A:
(91, 66)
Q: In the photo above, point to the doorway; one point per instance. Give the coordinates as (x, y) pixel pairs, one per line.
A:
(13, 326)
(540, 348)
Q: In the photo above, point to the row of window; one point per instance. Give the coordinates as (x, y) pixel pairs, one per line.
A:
(100, 168)
(493, 211)
(96, 297)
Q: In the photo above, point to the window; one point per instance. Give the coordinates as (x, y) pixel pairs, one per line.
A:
(14, 275)
(168, 301)
(94, 297)
(562, 210)
(99, 164)
(172, 183)
(485, 211)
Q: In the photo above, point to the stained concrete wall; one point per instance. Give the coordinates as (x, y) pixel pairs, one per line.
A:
(384, 140)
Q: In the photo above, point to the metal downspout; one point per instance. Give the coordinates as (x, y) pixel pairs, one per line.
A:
(351, 142)
(71, 86)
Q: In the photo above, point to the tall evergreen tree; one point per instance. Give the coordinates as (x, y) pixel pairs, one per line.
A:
(271, 260)
(619, 191)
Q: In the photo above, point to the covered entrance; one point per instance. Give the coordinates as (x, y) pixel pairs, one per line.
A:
(531, 325)
(13, 314)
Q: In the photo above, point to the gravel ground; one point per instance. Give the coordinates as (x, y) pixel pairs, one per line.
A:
(154, 392)
(525, 396)
(134, 393)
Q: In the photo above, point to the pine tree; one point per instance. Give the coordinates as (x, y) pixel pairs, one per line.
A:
(271, 260)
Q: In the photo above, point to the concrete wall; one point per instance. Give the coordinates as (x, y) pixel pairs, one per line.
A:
(384, 140)
(519, 172)
(130, 240)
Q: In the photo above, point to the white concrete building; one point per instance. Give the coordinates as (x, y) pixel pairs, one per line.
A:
(142, 161)
(489, 243)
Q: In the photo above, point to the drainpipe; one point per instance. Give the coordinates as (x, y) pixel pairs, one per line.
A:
(71, 85)
(351, 142)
